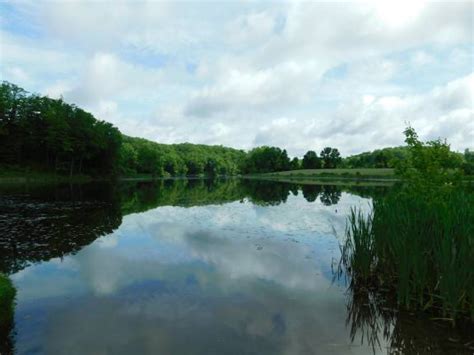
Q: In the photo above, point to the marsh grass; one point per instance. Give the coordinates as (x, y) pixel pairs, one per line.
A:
(418, 241)
(418, 244)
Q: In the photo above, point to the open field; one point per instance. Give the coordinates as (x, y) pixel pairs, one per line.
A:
(327, 180)
(311, 174)
(342, 172)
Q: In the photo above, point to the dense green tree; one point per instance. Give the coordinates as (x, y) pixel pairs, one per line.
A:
(331, 158)
(47, 134)
(311, 160)
(40, 133)
(468, 164)
(211, 168)
(265, 160)
(295, 164)
(128, 158)
(182, 159)
(149, 160)
(428, 163)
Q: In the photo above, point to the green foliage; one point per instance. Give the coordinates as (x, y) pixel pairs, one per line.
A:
(266, 160)
(331, 158)
(428, 164)
(468, 163)
(311, 160)
(7, 296)
(420, 246)
(52, 135)
(141, 156)
(419, 239)
(388, 158)
(295, 164)
(380, 158)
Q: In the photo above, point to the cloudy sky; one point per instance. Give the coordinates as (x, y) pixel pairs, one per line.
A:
(299, 75)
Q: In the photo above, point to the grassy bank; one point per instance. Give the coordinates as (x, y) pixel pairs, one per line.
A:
(330, 181)
(342, 174)
(7, 296)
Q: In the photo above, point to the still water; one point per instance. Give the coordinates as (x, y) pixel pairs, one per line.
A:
(193, 267)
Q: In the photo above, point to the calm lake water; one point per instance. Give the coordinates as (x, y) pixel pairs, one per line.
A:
(194, 267)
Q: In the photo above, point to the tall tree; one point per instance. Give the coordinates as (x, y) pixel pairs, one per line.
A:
(331, 157)
(311, 160)
(266, 160)
(295, 164)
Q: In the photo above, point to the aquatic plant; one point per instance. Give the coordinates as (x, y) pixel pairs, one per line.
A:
(7, 296)
(422, 248)
(418, 241)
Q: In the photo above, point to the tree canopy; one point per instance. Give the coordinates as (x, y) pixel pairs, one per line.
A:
(311, 160)
(266, 160)
(49, 134)
(40, 133)
(331, 158)
(141, 156)
(46, 133)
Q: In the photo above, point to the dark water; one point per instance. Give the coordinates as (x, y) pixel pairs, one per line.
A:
(194, 267)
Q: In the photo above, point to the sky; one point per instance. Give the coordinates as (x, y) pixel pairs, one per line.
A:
(298, 75)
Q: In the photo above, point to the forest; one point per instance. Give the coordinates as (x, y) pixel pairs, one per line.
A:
(43, 134)
(38, 133)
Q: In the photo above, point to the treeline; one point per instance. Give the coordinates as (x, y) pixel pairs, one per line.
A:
(272, 159)
(396, 156)
(49, 134)
(379, 158)
(44, 134)
(141, 156)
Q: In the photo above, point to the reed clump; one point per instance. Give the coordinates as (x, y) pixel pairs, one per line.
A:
(418, 241)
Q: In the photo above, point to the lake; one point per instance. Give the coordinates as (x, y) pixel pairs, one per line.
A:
(194, 267)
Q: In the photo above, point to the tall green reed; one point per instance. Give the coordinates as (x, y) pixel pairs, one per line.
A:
(420, 246)
(419, 239)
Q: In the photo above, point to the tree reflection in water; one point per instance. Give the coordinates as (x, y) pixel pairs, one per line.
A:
(43, 222)
(38, 223)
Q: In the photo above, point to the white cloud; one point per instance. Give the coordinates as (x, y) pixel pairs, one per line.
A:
(298, 75)
(254, 89)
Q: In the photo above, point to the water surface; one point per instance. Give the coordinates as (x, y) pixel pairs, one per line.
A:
(193, 267)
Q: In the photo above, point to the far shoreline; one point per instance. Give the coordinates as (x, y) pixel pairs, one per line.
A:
(381, 176)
